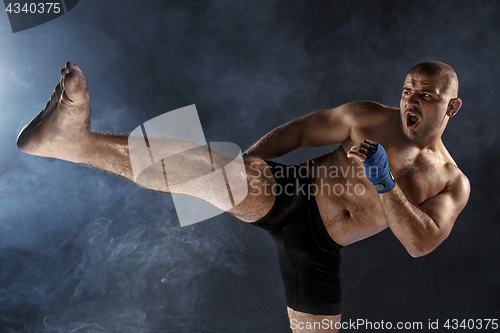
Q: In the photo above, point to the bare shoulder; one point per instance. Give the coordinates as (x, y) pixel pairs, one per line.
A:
(366, 108)
(361, 113)
(458, 184)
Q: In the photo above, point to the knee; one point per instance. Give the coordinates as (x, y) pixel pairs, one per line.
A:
(259, 176)
(257, 169)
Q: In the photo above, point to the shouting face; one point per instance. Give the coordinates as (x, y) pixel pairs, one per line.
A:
(425, 105)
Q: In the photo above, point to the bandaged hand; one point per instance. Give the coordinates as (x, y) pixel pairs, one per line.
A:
(376, 165)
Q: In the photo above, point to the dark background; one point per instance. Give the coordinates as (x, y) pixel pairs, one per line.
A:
(84, 251)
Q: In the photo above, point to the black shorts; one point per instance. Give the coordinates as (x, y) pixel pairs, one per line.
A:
(309, 259)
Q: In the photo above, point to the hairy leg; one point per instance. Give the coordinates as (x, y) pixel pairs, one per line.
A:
(62, 130)
(324, 324)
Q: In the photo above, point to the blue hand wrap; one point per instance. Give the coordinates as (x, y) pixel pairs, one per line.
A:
(377, 168)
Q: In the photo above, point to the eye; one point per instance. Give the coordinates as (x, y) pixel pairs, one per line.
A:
(426, 95)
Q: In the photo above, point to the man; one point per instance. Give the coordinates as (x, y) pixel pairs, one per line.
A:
(419, 199)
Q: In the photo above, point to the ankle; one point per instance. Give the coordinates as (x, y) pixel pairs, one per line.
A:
(81, 151)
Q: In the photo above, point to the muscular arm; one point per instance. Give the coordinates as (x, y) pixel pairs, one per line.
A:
(421, 229)
(320, 128)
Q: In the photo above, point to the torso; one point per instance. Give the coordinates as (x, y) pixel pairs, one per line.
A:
(349, 204)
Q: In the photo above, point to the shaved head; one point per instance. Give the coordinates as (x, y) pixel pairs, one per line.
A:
(449, 76)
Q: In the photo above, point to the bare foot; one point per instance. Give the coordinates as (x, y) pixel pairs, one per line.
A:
(62, 129)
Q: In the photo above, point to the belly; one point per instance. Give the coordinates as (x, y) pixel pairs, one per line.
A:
(348, 203)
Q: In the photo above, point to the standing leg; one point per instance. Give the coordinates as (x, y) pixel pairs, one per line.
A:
(324, 324)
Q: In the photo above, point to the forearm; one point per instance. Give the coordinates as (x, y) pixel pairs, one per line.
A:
(418, 233)
(317, 129)
(280, 141)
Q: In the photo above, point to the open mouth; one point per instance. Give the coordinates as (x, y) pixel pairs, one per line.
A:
(411, 120)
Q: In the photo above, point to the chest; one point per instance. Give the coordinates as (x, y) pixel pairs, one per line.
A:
(419, 176)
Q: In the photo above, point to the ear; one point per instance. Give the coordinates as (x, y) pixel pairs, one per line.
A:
(453, 106)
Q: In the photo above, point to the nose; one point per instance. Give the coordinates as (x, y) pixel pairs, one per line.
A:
(413, 99)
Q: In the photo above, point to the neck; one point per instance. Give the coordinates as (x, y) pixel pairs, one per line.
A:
(432, 142)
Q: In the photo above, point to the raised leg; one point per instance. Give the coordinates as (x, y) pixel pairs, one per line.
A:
(62, 130)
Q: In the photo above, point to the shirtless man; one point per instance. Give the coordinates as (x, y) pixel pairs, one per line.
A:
(420, 206)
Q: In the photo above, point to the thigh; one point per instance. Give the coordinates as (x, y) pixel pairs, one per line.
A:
(301, 322)
(260, 197)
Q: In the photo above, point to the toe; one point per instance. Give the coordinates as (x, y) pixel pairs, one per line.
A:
(56, 95)
(74, 82)
(64, 71)
(73, 66)
(74, 88)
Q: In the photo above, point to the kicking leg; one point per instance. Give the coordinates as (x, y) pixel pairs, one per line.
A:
(62, 130)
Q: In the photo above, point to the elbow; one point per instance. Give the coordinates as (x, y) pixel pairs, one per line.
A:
(420, 250)
(418, 253)
(425, 245)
